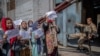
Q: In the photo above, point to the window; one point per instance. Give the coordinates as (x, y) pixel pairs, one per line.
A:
(57, 2)
(11, 5)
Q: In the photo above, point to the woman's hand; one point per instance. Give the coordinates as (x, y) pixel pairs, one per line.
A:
(89, 36)
(4, 38)
(19, 37)
(36, 37)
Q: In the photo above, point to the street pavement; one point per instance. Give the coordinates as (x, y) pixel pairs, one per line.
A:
(72, 51)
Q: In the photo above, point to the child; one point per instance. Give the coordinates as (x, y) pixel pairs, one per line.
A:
(25, 33)
(30, 23)
(39, 32)
(34, 45)
(10, 35)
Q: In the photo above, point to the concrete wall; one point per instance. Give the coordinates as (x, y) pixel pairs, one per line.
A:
(11, 14)
(31, 9)
(40, 7)
(24, 9)
(4, 7)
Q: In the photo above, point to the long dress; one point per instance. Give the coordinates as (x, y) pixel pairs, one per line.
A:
(34, 45)
(26, 36)
(11, 38)
(55, 40)
(51, 40)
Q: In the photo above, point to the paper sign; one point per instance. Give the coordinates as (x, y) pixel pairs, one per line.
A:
(51, 15)
(12, 33)
(39, 32)
(18, 22)
(34, 26)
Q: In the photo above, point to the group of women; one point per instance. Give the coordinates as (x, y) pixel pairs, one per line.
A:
(28, 39)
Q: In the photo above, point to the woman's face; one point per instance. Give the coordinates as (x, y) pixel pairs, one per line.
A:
(24, 25)
(9, 24)
(30, 23)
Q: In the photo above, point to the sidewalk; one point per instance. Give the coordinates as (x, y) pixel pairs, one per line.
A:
(70, 52)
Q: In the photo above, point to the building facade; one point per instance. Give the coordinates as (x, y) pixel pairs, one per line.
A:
(66, 21)
(34, 9)
(26, 9)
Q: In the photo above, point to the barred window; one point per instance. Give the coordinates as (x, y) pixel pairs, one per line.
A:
(10, 5)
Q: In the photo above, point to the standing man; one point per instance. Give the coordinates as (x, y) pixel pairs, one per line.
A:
(89, 28)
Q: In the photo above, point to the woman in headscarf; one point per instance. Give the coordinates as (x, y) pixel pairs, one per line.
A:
(9, 35)
(50, 29)
(30, 23)
(25, 33)
(34, 44)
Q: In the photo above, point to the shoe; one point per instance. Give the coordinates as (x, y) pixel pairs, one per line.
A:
(81, 50)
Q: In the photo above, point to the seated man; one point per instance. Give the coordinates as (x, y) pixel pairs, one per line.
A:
(89, 30)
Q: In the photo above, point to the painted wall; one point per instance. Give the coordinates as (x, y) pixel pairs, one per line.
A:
(66, 21)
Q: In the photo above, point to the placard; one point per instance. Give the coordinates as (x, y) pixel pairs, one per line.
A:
(51, 15)
(12, 33)
(18, 22)
(39, 32)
